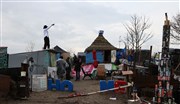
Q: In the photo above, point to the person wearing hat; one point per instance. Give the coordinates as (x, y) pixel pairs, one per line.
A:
(46, 36)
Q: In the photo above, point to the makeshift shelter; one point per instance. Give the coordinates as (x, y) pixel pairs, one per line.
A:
(39, 63)
(62, 52)
(43, 58)
(103, 50)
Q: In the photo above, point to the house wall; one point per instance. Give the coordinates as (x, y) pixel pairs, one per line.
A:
(65, 55)
(99, 56)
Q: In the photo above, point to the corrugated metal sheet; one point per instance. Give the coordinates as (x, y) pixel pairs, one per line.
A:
(45, 58)
(15, 60)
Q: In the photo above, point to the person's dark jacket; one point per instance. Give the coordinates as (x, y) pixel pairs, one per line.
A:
(78, 65)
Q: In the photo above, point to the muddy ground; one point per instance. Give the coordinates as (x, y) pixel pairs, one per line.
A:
(82, 86)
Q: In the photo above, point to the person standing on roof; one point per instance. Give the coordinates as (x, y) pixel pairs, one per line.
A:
(46, 36)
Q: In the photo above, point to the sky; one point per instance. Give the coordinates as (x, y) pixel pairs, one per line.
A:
(77, 22)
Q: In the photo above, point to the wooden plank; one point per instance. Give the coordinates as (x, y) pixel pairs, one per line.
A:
(129, 72)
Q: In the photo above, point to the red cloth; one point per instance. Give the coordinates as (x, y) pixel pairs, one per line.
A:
(94, 54)
(95, 64)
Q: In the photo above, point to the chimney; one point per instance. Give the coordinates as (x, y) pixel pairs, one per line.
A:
(101, 32)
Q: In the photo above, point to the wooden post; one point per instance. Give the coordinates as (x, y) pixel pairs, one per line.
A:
(139, 56)
(150, 55)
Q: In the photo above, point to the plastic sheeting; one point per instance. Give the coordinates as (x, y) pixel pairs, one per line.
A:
(87, 68)
(89, 58)
(99, 56)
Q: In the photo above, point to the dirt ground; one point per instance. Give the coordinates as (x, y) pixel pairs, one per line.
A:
(82, 86)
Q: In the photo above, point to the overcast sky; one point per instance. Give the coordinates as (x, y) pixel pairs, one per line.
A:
(77, 22)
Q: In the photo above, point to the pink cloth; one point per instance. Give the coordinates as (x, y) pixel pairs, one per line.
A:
(87, 68)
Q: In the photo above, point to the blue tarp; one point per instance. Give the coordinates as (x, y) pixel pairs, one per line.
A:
(99, 56)
(89, 58)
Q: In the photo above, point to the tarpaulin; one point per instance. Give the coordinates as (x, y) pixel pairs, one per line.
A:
(87, 68)
(99, 57)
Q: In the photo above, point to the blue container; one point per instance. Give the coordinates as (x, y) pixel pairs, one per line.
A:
(49, 84)
(103, 85)
(110, 84)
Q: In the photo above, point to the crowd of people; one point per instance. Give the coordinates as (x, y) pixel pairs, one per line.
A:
(64, 68)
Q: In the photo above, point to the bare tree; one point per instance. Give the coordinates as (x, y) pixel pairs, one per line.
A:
(136, 35)
(30, 46)
(175, 24)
